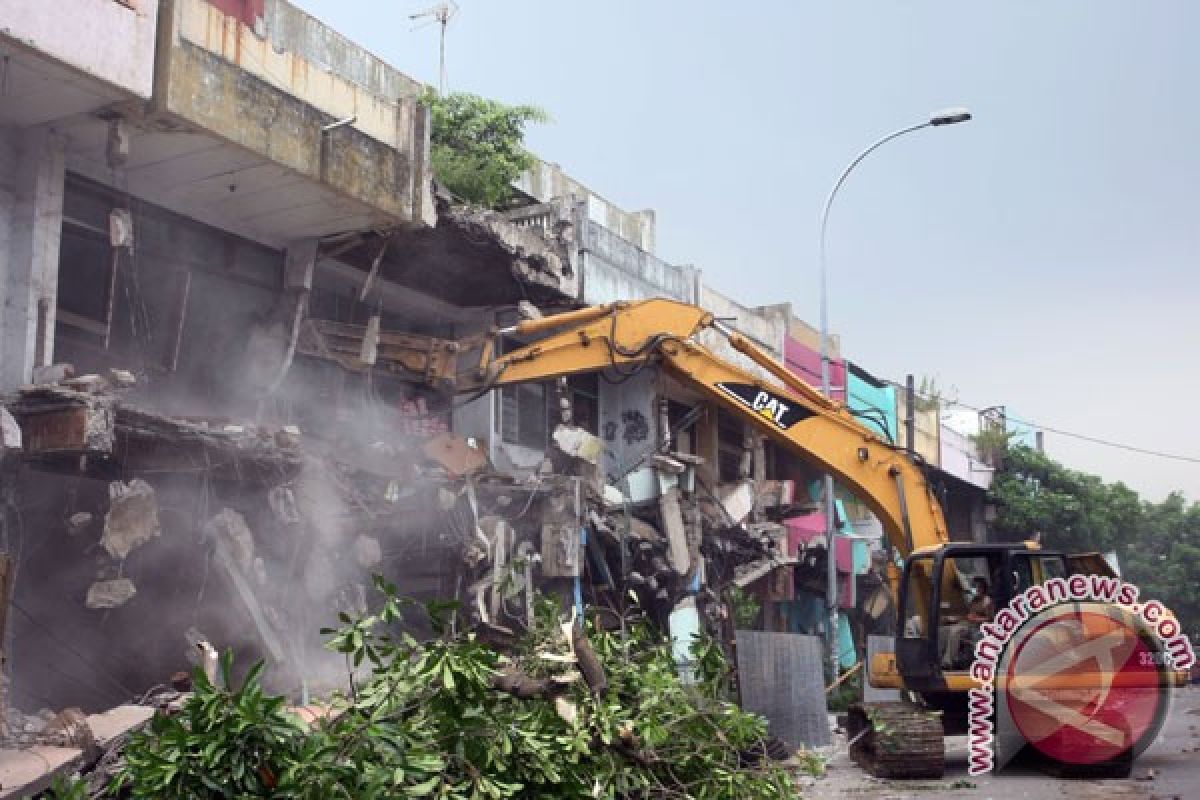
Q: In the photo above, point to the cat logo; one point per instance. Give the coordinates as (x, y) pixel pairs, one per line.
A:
(782, 412)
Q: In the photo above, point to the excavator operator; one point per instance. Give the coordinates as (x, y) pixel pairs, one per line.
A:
(981, 609)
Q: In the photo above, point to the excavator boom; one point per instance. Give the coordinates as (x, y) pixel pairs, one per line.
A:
(791, 413)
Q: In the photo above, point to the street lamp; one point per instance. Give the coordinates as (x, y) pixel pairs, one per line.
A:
(949, 116)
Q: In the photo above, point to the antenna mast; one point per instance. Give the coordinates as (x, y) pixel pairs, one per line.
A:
(441, 13)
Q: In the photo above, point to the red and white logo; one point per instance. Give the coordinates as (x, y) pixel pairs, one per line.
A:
(1084, 686)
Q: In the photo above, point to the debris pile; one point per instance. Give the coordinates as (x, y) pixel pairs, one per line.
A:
(567, 710)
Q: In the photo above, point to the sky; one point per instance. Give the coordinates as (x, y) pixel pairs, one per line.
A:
(1042, 256)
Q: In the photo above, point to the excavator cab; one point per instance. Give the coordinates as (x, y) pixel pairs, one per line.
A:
(946, 592)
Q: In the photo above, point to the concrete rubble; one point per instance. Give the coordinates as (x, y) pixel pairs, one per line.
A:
(260, 535)
(132, 518)
(110, 593)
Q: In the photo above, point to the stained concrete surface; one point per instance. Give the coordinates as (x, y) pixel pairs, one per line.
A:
(1173, 762)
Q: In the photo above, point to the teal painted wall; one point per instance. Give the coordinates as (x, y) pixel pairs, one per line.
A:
(867, 395)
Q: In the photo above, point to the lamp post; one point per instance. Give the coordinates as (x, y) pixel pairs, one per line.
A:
(951, 116)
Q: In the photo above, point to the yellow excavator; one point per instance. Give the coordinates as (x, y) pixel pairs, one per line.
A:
(931, 577)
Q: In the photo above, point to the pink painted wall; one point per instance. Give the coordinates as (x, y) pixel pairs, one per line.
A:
(804, 530)
(247, 11)
(806, 362)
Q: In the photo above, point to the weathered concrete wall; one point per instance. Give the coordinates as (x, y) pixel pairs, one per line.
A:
(960, 458)
(928, 429)
(615, 268)
(32, 199)
(766, 325)
(548, 181)
(628, 421)
(104, 39)
(291, 30)
(311, 62)
(217, 74)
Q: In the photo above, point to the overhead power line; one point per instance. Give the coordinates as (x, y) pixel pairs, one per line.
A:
(1085, 437)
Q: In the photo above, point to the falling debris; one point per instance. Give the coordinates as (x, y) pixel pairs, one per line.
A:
(78, 522)
(132, 518)
(229, 528)
(110, 594)
(579, 443)
(283, 503)
(367, 551)
(458, 455)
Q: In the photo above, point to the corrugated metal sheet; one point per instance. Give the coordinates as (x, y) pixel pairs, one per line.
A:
(782, 677)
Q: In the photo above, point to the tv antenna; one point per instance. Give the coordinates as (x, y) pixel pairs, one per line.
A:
(441, 14)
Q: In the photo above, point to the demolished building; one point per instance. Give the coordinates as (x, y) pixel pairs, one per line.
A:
(223, 246)
(231, 281)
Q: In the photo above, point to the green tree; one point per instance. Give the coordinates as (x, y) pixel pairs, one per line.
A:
(478, 145)
(1073, 510)
(1164, 557)
(1157, 544)
(455, 719)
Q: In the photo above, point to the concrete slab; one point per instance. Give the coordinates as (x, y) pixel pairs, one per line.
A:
(117, 722)
(26, 772)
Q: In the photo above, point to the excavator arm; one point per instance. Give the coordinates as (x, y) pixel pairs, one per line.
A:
(627, 336)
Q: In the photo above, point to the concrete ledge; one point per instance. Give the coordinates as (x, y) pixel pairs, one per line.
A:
(215, 96)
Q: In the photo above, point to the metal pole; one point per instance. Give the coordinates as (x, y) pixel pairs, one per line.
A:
(910, 415)
(443, 17)
(831, 596)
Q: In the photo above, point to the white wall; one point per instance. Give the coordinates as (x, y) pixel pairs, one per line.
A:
(105, 39)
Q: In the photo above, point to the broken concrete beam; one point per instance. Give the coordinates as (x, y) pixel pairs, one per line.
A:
(738, 500)
(667, 464)
(87, 383)
(229, 527)
(53, 373)
(676, 532)
(55, 420)
(747, 574)
(110, 594)
(132, 518)
(245, 593)
(122, 378)
(152, 443)
(111, 725)
(27, 772)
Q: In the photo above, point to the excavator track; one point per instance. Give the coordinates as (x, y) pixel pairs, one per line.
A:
(896, 740)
